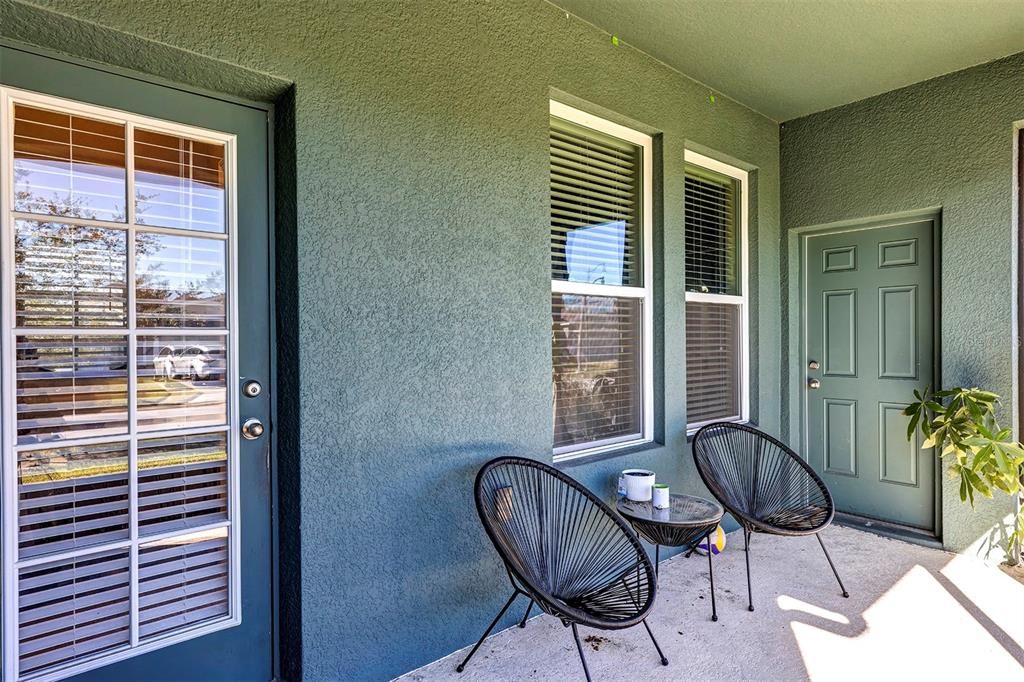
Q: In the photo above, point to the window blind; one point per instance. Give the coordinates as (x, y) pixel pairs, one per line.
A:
(70, 275)
(182, 581)
(712, 264)
(598, 297)
(595, 206)
(68, 165)
(712, 361)
(73, 608)
(596, 367)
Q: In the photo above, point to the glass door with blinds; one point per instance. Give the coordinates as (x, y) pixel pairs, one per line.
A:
(122, 459)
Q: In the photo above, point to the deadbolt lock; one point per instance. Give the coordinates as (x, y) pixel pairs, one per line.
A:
(813, 364)
(252, 388)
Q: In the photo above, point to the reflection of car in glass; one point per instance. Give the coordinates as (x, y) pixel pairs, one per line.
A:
(194, 362)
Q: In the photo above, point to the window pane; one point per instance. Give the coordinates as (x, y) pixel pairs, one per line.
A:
(72, 497)
(183, 482)
(181, 382)
(712, 361)
(595, 206)
(597, 373)
(182, 581)
(71, 387)
(179, 281)
(71, 609)
(178, 182)
(712, 238)
(68, 165)
(69, 276)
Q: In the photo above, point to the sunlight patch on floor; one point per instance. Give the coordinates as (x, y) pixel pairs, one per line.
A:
(917, 630)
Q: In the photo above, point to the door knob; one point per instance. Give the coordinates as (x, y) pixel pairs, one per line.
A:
(813, 383)
(252, 428)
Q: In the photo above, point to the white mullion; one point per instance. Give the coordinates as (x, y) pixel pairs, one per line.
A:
(73, 553)
(133, 381)
(561, 286)
(181, 532)
(71, 443)
(8, 398)
(725, 299)
(180, 331)
(234, 420)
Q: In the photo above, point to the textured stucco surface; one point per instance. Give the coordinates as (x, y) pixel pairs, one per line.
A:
(943, 143)
(421, 253)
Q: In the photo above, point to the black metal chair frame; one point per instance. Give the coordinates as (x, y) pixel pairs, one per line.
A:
(767, 491)
(526, 571)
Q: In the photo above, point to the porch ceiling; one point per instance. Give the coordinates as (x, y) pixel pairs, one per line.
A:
(789, 58)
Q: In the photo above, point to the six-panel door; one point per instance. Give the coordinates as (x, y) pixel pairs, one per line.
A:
(869, 319)
(137, 533)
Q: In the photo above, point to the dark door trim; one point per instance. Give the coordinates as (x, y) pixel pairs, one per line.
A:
(795, 372)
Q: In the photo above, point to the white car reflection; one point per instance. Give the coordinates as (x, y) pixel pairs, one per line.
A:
(192, 362)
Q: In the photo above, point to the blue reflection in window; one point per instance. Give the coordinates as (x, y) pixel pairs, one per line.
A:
(595, 254)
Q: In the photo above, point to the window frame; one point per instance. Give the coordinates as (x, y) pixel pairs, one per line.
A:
(742, 300)
(644, 292)
(11, 563)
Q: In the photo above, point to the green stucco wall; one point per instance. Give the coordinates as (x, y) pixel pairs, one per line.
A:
(419, 268)
(946, 143)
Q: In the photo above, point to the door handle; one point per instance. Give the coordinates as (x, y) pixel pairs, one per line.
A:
(813, 384)
(252, 428)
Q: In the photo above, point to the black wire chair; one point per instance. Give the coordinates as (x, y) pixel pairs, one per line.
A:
(766, 486)
(564, 549)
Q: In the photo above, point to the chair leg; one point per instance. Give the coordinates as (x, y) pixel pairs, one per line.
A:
(746, 550)
(664, 661)
(711, 577)
(526, 615)
(462, 666)
(579, 648)
(834, 571)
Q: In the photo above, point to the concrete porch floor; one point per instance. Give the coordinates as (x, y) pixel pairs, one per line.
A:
(913, 614)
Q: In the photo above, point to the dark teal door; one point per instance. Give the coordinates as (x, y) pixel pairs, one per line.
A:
(136, 301)
(869, 320)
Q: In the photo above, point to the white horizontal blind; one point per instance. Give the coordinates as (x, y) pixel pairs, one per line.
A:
(595, 206)
(712, 361)
(712, 253)
(715, 296)
(600, 299)
(118, 442)
(596, 352)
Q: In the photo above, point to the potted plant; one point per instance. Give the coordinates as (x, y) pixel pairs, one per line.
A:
(960, 423)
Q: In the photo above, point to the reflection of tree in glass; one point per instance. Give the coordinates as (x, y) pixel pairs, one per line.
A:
(591, 383)
(68, 275)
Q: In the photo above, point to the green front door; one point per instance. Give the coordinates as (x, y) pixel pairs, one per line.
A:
(869, 319)
(135, 301)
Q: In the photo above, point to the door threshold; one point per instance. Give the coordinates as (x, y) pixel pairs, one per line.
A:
(889, 529)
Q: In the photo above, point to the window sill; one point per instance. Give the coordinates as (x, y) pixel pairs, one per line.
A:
(608, 452)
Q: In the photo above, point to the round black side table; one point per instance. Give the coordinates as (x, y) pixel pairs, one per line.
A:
(685, 523)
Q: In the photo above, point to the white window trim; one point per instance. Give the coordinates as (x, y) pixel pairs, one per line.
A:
(645, 292)
(743, 300)
(8, 98)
